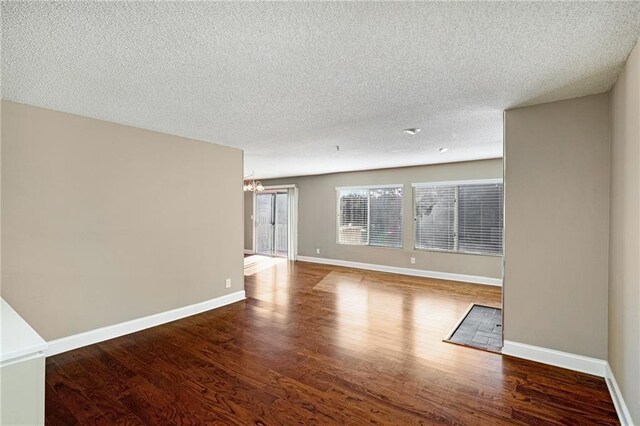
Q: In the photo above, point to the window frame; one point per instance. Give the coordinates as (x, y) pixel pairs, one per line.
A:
(369, 188)
(456, 184)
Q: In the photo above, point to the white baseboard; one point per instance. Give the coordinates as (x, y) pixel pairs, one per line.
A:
(247, 251)
(618, 401)
(112, 331)
(584, 364)
(404, 271)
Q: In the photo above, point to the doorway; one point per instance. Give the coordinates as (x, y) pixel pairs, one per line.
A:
(272, 223)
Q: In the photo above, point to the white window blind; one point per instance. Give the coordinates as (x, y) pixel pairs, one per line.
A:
(353, 217)
(480, 218)
(435, 217)
(465, 218)
(370, 216)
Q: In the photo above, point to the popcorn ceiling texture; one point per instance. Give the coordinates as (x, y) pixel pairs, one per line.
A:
(287, 82)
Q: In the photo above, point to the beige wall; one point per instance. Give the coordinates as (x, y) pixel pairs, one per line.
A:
(624, 239)
(556, 225)
(317, 218)
(104, 223)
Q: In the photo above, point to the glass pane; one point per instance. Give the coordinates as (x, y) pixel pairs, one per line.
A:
(480, 219)
(353, 217)
(264, 223)
(282, 207)
(385, 211)
(435, 217)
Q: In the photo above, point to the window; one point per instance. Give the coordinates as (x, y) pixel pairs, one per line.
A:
(370, 216)
(459, 217)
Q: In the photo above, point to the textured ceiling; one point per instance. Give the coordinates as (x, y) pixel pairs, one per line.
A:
(287, 82)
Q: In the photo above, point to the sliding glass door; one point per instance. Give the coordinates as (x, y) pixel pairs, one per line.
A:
(281, 224)
(272, 223)
(264, 223)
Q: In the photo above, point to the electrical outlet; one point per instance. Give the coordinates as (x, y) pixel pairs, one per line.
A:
(317, 251)
(413, 260)
(227, 283)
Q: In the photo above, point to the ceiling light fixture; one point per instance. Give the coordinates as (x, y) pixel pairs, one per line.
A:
(443, 149)
(252, 184)
(412, 131)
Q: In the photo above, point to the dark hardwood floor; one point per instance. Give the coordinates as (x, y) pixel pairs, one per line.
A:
(315, 344)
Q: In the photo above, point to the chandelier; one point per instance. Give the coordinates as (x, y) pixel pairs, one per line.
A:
(252, 184)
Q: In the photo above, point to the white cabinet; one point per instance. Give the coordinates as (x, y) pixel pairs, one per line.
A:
(22, 367)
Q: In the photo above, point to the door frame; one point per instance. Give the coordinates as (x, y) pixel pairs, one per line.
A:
(292, 213)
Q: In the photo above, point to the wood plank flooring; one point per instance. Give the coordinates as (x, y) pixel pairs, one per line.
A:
(315, 344)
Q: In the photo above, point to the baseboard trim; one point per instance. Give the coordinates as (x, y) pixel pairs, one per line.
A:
(618, 400)
(584, 364)
(247, 251)
(404, 271)
(90, 337)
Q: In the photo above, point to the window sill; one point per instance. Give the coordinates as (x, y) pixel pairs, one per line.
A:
(457, 252)
(370, 245)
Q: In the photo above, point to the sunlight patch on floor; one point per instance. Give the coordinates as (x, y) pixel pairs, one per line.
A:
(256, 263)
